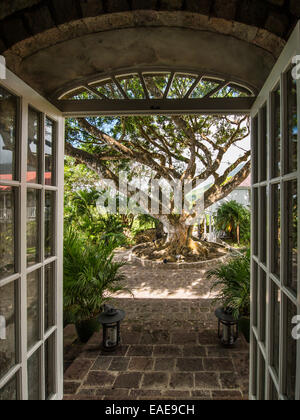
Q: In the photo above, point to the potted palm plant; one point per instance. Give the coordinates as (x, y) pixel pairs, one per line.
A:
(91, 278)
(232, 280)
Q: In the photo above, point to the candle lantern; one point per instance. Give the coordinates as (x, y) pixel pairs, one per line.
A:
(111, 321)
(228, 327)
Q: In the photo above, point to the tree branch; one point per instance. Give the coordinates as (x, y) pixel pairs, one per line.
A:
(218, 192)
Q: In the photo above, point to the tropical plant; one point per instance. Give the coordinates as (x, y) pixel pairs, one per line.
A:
(234, 218)
(91, 277)
(82, 214)
(232, 280)
(84, 200)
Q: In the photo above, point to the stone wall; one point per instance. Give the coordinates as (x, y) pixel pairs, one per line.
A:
(22, 19)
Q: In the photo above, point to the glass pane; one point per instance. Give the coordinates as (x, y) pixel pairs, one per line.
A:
(74, 94)
(50, 388)
(110, 90)
(263, 224)
(8, 328)
(292, 140)
(263, 144)
(255, 293)
(85, 95)
(274, 394)
(255, 227)
(9, 391)
(255, 154)
(50, 151)
(230, 91)
(276, 240)
(182, 83)
(255, 367)
(156, 84)
(49, 296)
(276, 146)
(8, 130)
(49, 223)
(291, 352)
(263, 303)
(292, 231)
(205, 87)
(33, 367)
(262, 377)
(33, 308)
(7, 231)
(132, 86)
(275, 323)
(239, 91)
(33, 205)
(33, 146)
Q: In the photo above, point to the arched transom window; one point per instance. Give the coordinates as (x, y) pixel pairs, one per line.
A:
(160, 91)
(158, 85)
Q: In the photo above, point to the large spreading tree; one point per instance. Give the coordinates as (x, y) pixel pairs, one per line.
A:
(186, 149)
(172, 148)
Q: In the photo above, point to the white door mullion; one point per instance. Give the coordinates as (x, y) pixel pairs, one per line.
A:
(59, 223)
(298, 256)
(42, 253)
(253, 347)
(270, 229)
(22, 218)
(283, 315)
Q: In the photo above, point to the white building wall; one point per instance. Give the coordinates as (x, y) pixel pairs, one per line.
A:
(241, 195)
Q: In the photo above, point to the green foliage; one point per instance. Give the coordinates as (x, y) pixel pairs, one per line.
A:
(78, 177)
(81, 213)
(91, 276)
(233, 280)
(144, 222)
(6, 249)
(234, 219)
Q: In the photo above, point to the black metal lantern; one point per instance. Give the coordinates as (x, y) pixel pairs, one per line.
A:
(111, 320)
(228, 328)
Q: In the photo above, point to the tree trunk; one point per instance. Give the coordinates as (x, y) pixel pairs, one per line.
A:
(159, 230)
(181, 242)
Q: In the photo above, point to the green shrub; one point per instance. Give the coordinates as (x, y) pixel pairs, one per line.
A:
(233, 279)
(91, 276)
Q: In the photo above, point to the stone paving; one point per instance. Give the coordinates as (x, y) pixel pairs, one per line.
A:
(169, 350)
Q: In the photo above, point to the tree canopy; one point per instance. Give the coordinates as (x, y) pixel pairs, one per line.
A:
(175, 148)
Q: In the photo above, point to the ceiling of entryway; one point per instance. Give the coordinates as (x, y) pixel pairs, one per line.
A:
(53, 43)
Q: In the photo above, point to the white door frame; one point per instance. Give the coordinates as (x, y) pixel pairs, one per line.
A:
(264, 380)
(29, 98)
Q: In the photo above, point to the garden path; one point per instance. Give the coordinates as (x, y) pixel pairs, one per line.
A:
(170, 349)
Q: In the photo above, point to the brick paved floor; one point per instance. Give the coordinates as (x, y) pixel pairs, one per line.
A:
(169, 350)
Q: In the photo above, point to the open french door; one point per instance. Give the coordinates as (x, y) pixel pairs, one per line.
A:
(31, 232)
(275, 300)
